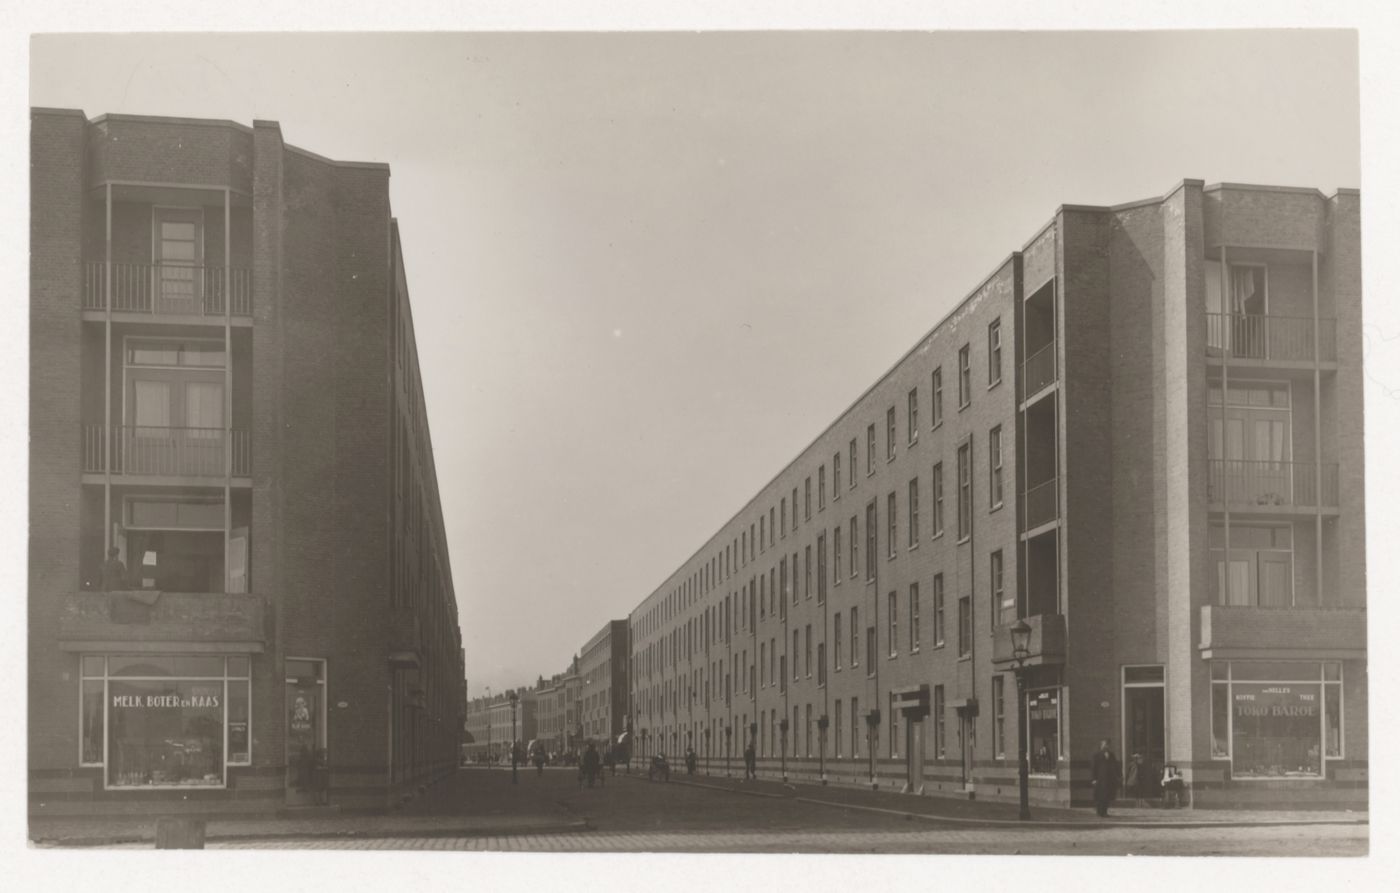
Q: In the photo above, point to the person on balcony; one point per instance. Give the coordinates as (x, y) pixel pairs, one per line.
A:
(114, 572)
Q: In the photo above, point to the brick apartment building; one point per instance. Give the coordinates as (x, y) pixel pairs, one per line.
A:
(225, 395)
(602, 669)
(557, 705)
(1141, 435)
(493, 721)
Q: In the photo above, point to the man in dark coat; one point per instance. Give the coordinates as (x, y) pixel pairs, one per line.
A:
(750, 763)
(1104, 772)
(114, 572)
(588, 765)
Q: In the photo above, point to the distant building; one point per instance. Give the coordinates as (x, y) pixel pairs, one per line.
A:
(493, 721)
(1141, 436)
(225, 398)
(602, 670)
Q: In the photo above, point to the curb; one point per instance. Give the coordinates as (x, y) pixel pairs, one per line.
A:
(1033, 823)
(370, 833)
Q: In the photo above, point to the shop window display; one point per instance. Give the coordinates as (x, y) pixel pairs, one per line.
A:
(1043, 722)
(165, 721)
(1276, 719)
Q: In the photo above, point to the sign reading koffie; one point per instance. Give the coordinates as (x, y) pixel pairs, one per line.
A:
(165, 700)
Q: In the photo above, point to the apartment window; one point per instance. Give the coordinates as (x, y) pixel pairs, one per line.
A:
(821, 569)
(836, 639)
(855, 637)
(937, 499)
(964, 376)
(796, 648)
(763, 664)
(808, 650)
(782, 515)
(821, 487)
(894, 622)
(889, 434)
(821, 663)
(994, 352)
(871, 649)
(807, 572)
(913, 616)
(855, 546)
(940, 738)
(853, 463)
(751, 542)
(892, 534)
(914, 513)
(794, 509)
(994, 471)
(836, 555)
(807, 498)
(964, 626)
(964, 491)
(998, 717)
(770, 525)
(762, 533)
(1260, 566)
(794, 578)
(937, 397)
(838, 736)
(938, 624)
(782, 578)
(913, 420)
(870, 449)
(836, 475)
(1003, 605)
(870, 541)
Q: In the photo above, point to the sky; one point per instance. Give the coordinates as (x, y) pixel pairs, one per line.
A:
(648, 269)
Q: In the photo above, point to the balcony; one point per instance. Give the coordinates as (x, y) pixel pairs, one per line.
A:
(169, 289)
(1277, 633)
(1241, 484)
(166, 452)
(1047, 644)
(1242, 336)
(148, 620)
(1040, 505)
(1038, 372)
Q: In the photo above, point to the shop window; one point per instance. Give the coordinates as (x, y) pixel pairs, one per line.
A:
(1043, 725)
(1276, 719)
(159, 721)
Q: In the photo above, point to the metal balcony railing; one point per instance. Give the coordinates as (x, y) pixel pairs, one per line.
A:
(1039, 369)
(1263, 484)
(1254, 337)
(166, 452)
(1040, 504)
(173, 289)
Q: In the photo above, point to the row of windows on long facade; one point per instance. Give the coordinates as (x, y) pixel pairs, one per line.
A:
(762, 533)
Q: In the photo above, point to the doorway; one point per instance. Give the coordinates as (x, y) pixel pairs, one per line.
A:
(307, 772)
(1144, 720)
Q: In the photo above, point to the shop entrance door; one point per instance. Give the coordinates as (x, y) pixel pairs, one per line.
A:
(914, 747)
(307, 775)
(967, 741)
(1144, 715)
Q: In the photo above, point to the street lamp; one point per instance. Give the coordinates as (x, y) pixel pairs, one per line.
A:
(822, 723)
(1020, 650)
(783, 728)
(514, 751)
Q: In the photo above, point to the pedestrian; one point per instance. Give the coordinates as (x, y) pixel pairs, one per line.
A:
(1135, 779)
(1105, 772)
(114, 572)
(539, 760)
(750, 763)
(589, 764)
(1173, 787)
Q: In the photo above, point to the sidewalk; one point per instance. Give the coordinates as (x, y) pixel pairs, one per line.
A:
(448, 809)
(983, 812)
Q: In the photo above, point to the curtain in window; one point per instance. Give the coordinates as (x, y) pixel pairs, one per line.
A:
(152, 404)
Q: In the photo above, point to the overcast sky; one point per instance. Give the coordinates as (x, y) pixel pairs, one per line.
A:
(647, 270)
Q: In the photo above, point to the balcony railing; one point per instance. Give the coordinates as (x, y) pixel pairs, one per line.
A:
(173, 289)
(1039, 369)
(166, 452)
(1255, 337)
(1041, 504)
(1264, 484)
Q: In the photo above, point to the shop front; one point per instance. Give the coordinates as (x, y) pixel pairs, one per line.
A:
(1277, 719)
(156, 721)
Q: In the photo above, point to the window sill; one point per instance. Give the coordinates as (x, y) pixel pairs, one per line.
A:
(964, 539)
(914, 546)
(937, 536)
(994, 384)
(997, 507)
(890, 458)
(965, 656)
(963, 406)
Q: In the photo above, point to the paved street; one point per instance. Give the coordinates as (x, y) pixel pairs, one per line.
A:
(479, 810)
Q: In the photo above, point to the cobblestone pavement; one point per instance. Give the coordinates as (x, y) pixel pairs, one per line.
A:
(1316, 840)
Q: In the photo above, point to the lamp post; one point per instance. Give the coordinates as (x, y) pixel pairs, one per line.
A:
(514, 776)
(1020, 650)
(783, 728)
(822, 723)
